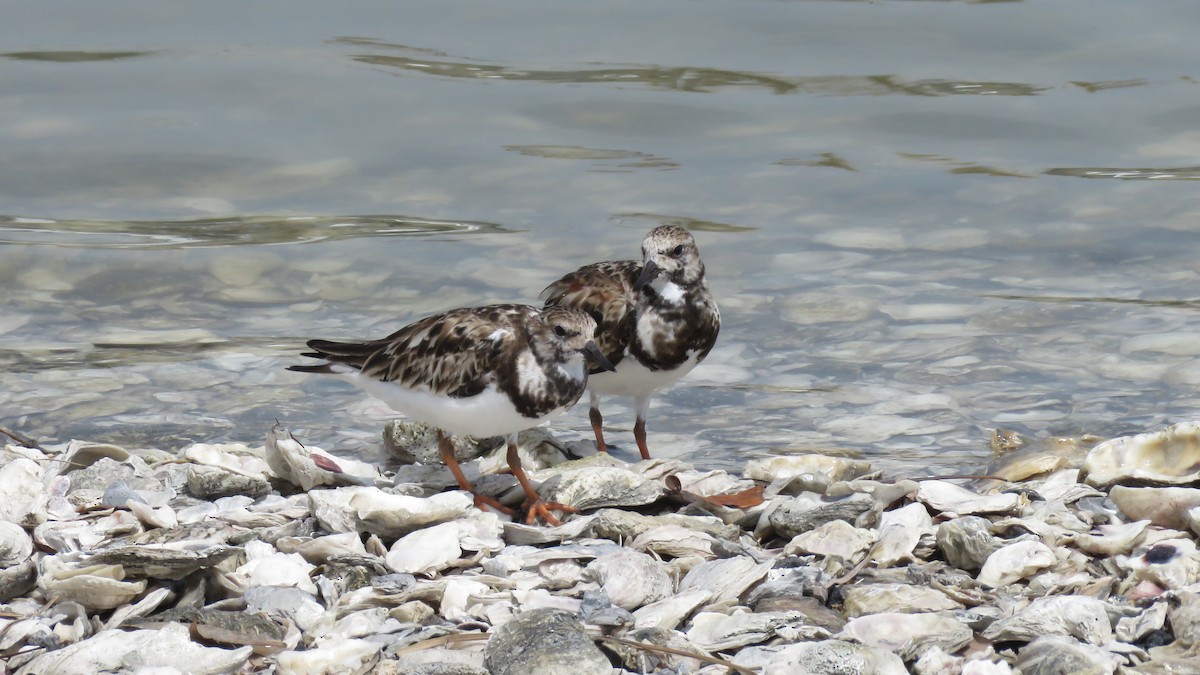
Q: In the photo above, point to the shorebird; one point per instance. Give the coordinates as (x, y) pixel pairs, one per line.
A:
(656, 320)
(477, 371)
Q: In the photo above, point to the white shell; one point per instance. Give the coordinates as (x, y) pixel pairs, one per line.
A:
(909, 634)
(865, 599)
(900, 530)
(1170, 456)
(330, 657)
(726, 578)
(631, 579)
(593, 487)
(22, 495)
(789, 466)
(670, 612)
(714, 631)
(438, 547)
(840, 656)
(267, 567)
(93, 586)
(1015, 562)
(319, 549)
(1112, 539)
(391, 516)
(950, 498)
(234, 457)
(835, 538)
(15, 544)
(294, 462)
(147, 651)
(1078, 616)
(675, 541)
(1162, 506)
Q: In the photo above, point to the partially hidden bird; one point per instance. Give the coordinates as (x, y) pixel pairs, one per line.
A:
(656, 321)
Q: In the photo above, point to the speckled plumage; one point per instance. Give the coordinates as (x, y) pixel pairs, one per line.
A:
(476, 371)
(656, 318)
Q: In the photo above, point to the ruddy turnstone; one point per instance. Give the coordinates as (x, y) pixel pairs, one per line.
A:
(476, 371)
(657, 320)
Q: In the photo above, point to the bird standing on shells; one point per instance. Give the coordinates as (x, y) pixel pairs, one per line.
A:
(656, 320)
(477, 371)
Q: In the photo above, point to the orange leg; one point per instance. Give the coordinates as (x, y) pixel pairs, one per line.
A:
(598, 428)
(639, 435)
(534, 505)
(447, 452)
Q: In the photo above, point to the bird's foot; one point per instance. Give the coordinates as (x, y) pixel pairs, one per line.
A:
(543, 509)
(482, 502)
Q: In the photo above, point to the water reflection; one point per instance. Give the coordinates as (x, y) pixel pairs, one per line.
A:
(1182, 173)
(210, 232)
(682, 78)
(72, 56)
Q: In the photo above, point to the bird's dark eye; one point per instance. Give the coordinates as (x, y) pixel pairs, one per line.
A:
(560, 331)
(678, 250)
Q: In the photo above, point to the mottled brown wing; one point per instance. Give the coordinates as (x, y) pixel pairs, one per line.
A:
(605, 291)
(450, 353)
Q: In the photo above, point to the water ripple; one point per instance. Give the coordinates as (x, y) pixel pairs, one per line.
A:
(212, 232)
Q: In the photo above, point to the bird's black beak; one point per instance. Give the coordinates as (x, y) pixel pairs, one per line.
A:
(593, 352)
(649, 271)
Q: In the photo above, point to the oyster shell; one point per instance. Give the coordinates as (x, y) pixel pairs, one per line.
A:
(1078, 616)
(909, 634)
(593, 487)
(967, 542)
(1167, 457)
(15, 544)
(630, 578)
(440, 546)
(141, 651)
(1162, 506)
(727, 578)
(1056, 654)
(544, 641)
(833, 469)
(675, 542)
(22, 495)
(900, 530)
(671, 611)
(175, 560)
(864, 599)
(835, 538)
(715, 631)
(93, 586)
(1014, 562)
(834, 657)
(800, 514)
(950, 498)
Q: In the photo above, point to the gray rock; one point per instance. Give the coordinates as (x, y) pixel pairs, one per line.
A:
(18, 580)
(546, 642)
(1054, 654)
(133, 471)
(620, 525)
(799, 515)
(967, 542)
(210, 482)
(416, 442)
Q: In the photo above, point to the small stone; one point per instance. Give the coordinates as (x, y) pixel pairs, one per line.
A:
(209, 483)
(544, 641)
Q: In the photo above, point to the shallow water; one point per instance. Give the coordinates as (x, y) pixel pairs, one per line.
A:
(922, 220)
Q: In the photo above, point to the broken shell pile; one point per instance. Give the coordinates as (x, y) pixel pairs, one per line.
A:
(288, 559)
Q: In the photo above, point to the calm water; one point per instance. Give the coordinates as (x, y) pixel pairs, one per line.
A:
(923, 220)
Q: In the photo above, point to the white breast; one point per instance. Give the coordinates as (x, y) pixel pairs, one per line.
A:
(489, 413)
(633, 379)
